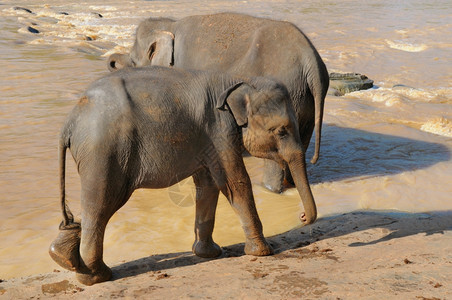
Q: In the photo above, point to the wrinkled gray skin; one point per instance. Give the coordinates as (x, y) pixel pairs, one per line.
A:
(153, 127)
(245, 46)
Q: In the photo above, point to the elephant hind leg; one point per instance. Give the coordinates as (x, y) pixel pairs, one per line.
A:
(64, 250)
(101, 198)
(306, 130)
(206, 205)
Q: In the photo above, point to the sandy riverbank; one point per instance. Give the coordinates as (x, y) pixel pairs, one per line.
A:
(372, 255)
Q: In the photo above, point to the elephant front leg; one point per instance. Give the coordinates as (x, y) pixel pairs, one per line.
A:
(244, 205)
(206, 204)
(237, 188)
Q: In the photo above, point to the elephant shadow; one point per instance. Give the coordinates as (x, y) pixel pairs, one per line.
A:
(348, 152)
(394, 225)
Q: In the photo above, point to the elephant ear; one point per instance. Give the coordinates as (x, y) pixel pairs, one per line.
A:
(118, 61)
(160, 48)
(237, 99)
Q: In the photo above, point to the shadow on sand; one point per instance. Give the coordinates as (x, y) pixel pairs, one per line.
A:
(397, 225)
(348, 152)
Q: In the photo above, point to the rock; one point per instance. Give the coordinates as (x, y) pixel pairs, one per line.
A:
(49, 20)
(97, 14)
(342, 83)
(32, 30)
(90, 37)
(403, 87)
(23, 9)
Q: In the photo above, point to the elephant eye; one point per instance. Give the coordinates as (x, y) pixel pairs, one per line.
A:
(281, 131)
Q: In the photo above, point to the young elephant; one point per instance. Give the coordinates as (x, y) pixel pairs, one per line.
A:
(152, 127)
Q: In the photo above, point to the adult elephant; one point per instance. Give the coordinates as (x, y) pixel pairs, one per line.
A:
(246, 46)
(152, 127)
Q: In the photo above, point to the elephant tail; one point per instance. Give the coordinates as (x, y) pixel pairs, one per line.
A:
(68, 217)
(319, 86)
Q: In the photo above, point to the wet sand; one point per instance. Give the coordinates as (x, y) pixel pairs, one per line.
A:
(363, 254)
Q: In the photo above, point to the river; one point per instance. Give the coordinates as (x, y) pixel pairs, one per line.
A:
(387, 148)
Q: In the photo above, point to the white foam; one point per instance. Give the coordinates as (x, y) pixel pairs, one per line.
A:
(103, 7)
(381, 95)
(441, 126)
(402, 94)
(116, 27)
(406, 46)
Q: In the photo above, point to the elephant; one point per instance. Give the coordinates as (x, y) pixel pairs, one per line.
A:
(241, 45)
(152, 127)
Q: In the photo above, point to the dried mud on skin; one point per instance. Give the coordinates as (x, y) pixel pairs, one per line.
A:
(349, 256)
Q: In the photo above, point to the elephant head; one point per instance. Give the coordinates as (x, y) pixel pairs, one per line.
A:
(270, 130)
(150, 48)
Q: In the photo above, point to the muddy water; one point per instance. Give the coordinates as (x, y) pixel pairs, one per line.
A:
(385, 148)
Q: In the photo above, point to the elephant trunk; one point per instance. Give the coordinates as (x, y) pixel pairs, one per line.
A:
(297, 166)
(116, 58)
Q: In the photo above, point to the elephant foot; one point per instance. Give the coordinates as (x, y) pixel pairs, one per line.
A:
(273, 176)
(64, 250)
(258, 247)
(206, 249)
(273, 187)
(90, 277)
(273, 183)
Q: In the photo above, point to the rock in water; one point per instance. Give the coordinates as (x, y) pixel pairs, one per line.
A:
(32, 30)
(349, 82)
(23, 9)
(403, 87)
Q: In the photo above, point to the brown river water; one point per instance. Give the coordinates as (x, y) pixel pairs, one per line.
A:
(388, 148)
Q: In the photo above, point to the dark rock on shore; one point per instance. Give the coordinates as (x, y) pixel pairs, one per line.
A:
(342, 83)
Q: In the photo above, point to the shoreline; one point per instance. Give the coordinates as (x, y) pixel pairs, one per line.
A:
(371, 254)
